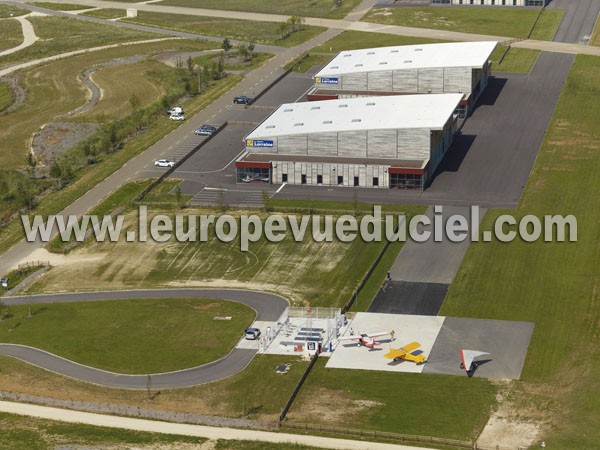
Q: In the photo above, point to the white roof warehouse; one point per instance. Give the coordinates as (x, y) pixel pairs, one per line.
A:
(352, 142)
(458, 67)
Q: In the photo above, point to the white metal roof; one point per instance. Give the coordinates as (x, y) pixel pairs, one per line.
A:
(454, 54)
(363, 113)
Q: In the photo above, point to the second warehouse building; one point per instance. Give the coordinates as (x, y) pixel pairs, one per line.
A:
(382, 142)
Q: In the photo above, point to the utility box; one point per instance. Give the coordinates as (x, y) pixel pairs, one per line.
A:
(131, 12)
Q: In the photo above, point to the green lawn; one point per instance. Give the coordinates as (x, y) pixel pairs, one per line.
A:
(29, 433)
(60, 6)
(257, 392)
(130, 336)
(12, 11)
(55, 202)
(6, 96)
(517, 60)
(313, 8)
(232, 61)
(547, 24)
(426, 405)
(11, 34)
(108, 13)
(63, 34)
(506, 22)
(554, 285)
(243, 30)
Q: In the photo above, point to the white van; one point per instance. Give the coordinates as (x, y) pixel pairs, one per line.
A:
(177, 111)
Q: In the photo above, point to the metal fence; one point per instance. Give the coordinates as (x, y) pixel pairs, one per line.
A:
(314, 313)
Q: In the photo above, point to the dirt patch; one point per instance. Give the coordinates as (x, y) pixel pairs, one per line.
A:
(56, 138)
(17, 90)
(507, 427)
(205, 307)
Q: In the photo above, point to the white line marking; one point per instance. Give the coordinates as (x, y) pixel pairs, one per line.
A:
(280, 188)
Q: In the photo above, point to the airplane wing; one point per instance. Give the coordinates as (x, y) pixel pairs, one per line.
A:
(404, 353)
(468, 356)
(379, 333)
(350, 338)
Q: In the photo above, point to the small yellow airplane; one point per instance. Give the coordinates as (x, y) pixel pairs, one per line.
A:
(405, 353)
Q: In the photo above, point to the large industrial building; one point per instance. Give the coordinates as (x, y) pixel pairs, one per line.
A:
(459, 67)
(382, 142)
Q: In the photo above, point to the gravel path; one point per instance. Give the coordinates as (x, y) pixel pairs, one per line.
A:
(29, 36)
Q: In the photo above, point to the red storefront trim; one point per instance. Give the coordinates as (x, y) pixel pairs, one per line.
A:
(253, 165)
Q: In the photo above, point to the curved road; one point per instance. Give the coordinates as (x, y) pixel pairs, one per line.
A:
(268, 307)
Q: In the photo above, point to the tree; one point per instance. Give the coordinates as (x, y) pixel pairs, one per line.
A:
(251, 48)
(206, 75)
(190, 65)
(226, 45)
(293, 21)
(31, 164)
(283, 30)
(178, 195)
(149, 386)
(2, 308)
(243, 52)
(135, 102)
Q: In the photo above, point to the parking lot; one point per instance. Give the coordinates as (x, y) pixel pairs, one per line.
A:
(488, 164)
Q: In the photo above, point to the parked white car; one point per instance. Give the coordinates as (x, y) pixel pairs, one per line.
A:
(177, 117)
(164, 163)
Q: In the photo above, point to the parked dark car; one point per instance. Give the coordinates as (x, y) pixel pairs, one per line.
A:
(205, 130)
(242, 100)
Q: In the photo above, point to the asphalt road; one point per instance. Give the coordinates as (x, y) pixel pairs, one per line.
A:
(578, 21)
(268, 307)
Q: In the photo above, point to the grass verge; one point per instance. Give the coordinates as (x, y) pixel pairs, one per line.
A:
(243, 30)
(548, 23)
(554, 284)
(18, 275)
(11, 35)
(60, 6)
(232, 61)
(507, 22)
(130, 336)
(107, 13)
(517, 60)
(314, 8)
(6, 96)
(256, 393)
(379, 401)
(29, 433)
(12, 11)
(63, 34)
(55, 202)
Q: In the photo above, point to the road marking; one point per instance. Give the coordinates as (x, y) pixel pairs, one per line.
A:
(280, 188)
(215, 189)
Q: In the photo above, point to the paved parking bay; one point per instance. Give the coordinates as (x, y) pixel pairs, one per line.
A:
(506, 342)
(349, 355)
(406, 297)
(441, 340)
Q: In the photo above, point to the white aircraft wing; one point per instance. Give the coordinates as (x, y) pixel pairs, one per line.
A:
(468, 356)
(379, 333)
(350, 338)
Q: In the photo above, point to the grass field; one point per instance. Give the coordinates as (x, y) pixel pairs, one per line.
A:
(547, 24)
(319, 277)
(506, 22)
(258, 391)
(119, 83)
(303, 8)
(427, 405)
(517, 60)
(63, 34)
(12, 11)
(131, 336)
(28, 433)
(108, 13)
(6, 96)
(53, 89)
(554, 285)
(11, 34)
(60, 6)
(243, 30)
(233, 62)
(57, 201)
